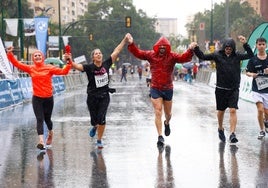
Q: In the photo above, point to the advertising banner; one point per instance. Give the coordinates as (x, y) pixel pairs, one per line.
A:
(41, 26)
(5, 67)
(12, 26)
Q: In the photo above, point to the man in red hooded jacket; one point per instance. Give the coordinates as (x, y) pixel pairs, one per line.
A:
(162, 61)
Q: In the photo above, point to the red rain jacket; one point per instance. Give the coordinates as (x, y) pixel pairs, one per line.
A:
(161, 66)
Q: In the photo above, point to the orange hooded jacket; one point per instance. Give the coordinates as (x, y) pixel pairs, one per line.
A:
(41, 74)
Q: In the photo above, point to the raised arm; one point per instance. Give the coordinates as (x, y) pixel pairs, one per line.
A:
(119, 48)
(68, 58)
(15, 62)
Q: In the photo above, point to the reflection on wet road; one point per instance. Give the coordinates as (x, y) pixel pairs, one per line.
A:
(192, 157)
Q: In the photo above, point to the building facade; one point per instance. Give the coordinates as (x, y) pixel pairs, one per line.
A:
(167, 26)
(260, 6)
(69, 10)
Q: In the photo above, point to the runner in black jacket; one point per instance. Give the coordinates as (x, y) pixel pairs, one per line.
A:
(228, 77)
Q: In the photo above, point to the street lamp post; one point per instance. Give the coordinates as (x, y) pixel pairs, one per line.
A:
(227, 19)
(2, 21)
(20, 29)
(211, 24)
(60, 54)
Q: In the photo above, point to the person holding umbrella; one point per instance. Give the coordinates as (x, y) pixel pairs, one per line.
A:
(42, 100)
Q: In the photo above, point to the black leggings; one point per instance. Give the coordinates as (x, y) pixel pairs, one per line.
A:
(42, 108)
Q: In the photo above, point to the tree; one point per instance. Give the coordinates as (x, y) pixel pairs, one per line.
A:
(105, 20)
(10, 9)
(242, 20)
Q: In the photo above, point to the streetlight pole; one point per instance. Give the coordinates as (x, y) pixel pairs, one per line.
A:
(60, 54)
(211, 46)
(211, 24)
(20, 29)
(2, 21)
(227, 19)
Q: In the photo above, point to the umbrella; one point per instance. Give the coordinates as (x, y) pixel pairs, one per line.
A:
(188, 65)
(260, 31)
(126, 64)
(54, 60)
(178, 65)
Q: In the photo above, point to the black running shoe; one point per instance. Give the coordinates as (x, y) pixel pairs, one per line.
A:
(221, 135)
(41, 146)
(233, 138)
(161, 141)
(167, 129)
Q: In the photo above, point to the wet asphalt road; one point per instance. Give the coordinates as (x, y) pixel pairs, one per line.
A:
(193, 156)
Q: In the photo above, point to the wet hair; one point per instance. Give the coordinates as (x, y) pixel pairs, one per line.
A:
(92, 54)
(261, 39)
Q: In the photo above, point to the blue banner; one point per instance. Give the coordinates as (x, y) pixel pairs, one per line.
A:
(26, 87)
(5, 95)
(16, 93)
(41, 26)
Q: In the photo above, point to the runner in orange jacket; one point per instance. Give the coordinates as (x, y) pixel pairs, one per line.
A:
(42, 99)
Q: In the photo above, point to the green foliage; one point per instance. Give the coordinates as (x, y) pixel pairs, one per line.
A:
(242, 20)
(105, 20)
(9, 9)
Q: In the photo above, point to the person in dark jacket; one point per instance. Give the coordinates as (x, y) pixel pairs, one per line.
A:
(228, 77)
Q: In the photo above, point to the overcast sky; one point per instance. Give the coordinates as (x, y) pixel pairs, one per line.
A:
(180, 9)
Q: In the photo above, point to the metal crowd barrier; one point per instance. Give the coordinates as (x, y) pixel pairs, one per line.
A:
(19, 90)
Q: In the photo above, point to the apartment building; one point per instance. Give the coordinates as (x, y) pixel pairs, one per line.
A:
(167, 26)
(69, 10)
(260, 6)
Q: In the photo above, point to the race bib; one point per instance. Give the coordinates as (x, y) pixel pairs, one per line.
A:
(101, 80)
(262, 82)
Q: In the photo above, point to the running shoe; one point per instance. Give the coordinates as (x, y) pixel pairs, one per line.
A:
(99, 144)
(233, 138)
(167, 129)
(261, 135)
(49, 138)
(161, 141)
(266, 125)
(221, 135)
(92, 131)
(40, 146)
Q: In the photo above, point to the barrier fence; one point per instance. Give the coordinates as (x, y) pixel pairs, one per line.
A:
(14, 92)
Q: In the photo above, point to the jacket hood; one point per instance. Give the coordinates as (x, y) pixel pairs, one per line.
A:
(162, 42)
(43, 58)
(229, 42)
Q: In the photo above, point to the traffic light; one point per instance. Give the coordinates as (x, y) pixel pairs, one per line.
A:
(128, 21)
(90, 37)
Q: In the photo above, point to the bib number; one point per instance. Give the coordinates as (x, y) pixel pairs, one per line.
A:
(101, 80)
(262, 82)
